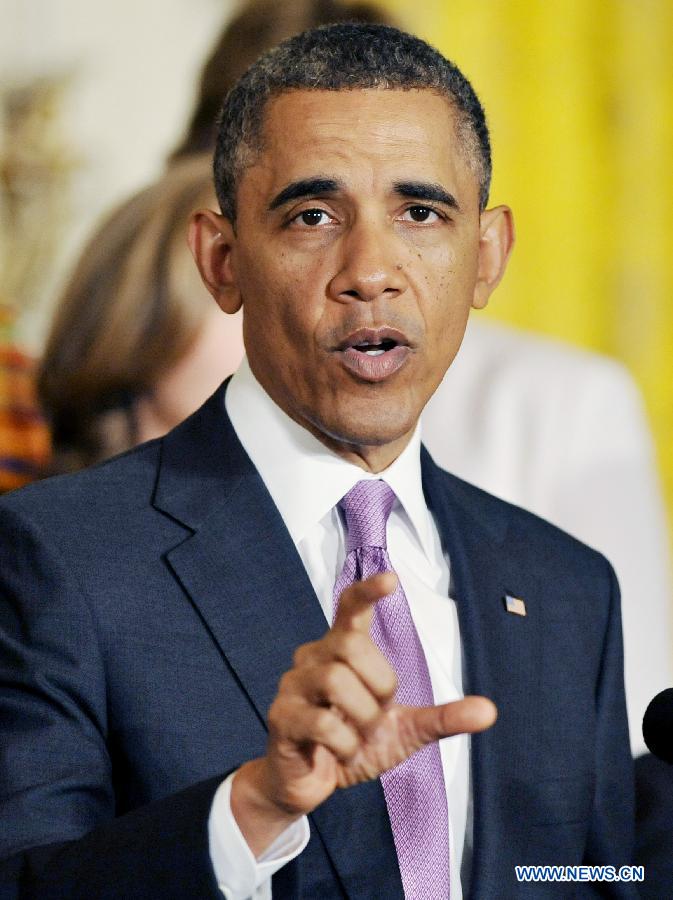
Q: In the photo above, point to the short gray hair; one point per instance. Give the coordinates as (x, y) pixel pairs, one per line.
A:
(339, 57)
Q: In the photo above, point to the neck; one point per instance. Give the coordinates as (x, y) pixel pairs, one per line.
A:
(371, 458)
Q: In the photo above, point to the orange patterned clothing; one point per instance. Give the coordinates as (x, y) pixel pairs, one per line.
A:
(25, 447)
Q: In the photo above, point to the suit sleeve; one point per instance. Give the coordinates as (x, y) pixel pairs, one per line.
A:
(611, 837)
(59, 836)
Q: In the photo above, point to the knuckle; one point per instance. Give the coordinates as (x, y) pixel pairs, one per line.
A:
(387, 677)
(302, 654)
(333, 678)
(278, 714)
(324, 721)
(287, 682)
(370, 712)
(352, 742)
(384, 679)
(328, 643)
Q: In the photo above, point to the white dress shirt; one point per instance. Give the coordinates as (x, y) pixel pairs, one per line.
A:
(306, 482)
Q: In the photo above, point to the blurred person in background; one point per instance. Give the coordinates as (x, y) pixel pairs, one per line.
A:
(258, 26)
(136, 344)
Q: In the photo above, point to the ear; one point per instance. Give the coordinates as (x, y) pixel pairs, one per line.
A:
(212, 241)
(496, 240)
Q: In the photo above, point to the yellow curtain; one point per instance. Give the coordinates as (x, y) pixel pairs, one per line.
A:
(579, 95)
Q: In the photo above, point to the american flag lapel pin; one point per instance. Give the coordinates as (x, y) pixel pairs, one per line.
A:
(515, 605)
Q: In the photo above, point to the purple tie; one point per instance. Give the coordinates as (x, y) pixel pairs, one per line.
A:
(414, 790)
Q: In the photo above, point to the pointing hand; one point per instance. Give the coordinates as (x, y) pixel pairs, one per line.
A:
(335, 723)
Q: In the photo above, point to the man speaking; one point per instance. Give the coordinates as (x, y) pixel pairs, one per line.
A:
(274, 612)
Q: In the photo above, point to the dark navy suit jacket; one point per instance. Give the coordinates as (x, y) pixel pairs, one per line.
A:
(148, 608)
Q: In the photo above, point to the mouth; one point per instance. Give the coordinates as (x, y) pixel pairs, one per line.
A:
(374, 354)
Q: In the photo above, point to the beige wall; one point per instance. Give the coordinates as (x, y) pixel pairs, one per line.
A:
(131, 67)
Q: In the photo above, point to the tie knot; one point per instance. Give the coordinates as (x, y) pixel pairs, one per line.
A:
(366, 507)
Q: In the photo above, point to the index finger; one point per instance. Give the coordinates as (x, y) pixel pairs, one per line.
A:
(356, 604)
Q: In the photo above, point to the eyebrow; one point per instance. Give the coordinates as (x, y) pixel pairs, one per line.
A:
(311, 187)
(305, 187)
(422, 190)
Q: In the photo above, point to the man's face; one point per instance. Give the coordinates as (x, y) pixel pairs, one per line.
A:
(357, 258)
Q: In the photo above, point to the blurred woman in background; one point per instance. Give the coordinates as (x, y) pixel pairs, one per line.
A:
(258, 26)
(137, 343)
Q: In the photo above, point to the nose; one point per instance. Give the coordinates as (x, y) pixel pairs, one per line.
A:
(370, 264)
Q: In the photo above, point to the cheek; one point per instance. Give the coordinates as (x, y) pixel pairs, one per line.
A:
(448, 282)
(281, 313)
(301, 297)
(446, 279)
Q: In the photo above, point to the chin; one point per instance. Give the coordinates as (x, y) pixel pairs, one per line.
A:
(368, 426)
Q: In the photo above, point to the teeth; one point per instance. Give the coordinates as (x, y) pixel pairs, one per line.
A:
(374, 352)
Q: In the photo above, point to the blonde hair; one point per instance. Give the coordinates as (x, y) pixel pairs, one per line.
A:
(129, 313)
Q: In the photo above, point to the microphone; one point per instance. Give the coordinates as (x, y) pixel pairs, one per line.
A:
(658, 726)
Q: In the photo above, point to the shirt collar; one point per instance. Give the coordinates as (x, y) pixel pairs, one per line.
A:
(306, 479)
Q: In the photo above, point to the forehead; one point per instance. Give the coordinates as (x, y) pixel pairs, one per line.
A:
(365, 137)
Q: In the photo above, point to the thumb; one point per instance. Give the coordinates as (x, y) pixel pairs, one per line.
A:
(467, 716)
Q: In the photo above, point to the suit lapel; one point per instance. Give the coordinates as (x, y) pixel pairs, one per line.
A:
(242, 572)
(239, 566)
(499, 651)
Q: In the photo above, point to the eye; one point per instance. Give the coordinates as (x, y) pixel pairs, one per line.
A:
(421, 214)
(312, 217)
